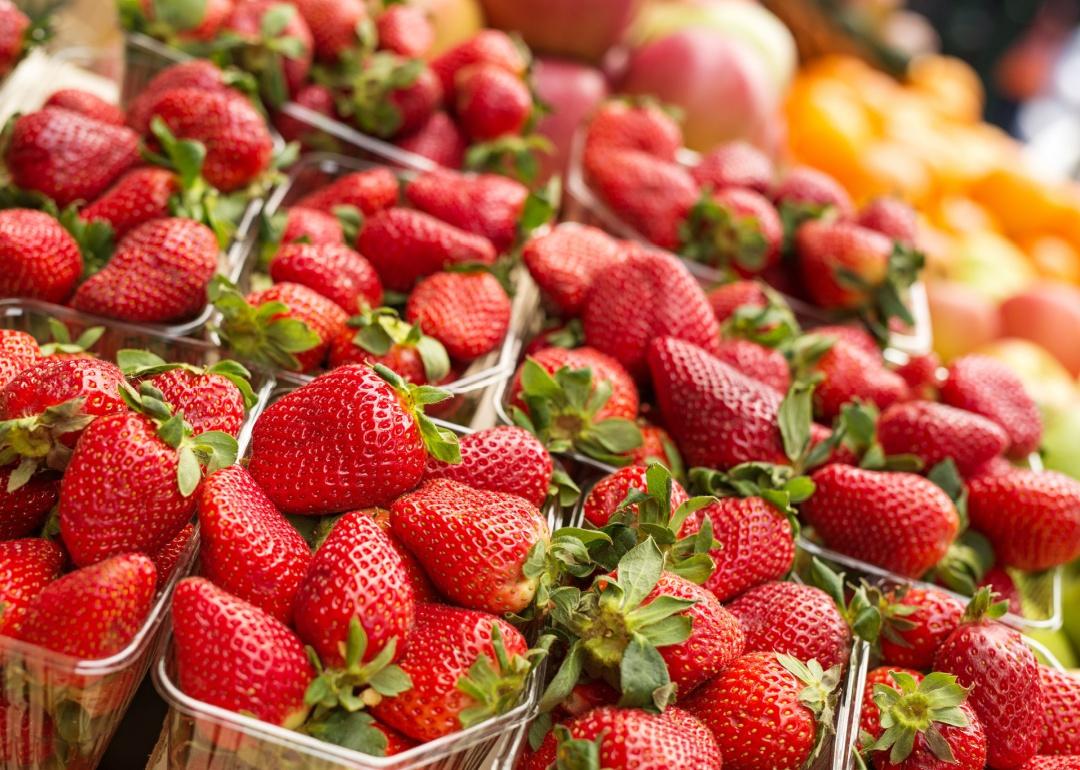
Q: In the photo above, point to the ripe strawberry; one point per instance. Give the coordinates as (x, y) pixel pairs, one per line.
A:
(88, 104)
(1032, 519)
(68, 156)
(656, 447)
(608, 494)
(138, 196)
(892, 217)
(993, 660)
(352, 438)
(1004, 588)
(419, 582)
(734, 229)
(827, 248)
(159, 273)
(898, 521)
(934, 432)
(649, 295)
(331, 269)
(273, 41)
(736, 164)
(483, 204)
(1052, 763)
(651, 194)
(465, 667)
(311, 226)
(488, 46)
(167, 558)
(41, 259)
(333, 25)
(921, 375)
(869, 720)
(849, 374)
(729, 297)
(855, 336)
(319, 99)
(491, 102)
(23, 510)
(565, 261)
(765, 710)
(503, 459)
(468, 313)
(93, 612)
(411, 105)
(194, 73)
(988, 387)
(625, 125)
(248, 548)
(439, 139)
(405, 30)
(916, 622)
(406, 245)
(27, 566)
(368, 191)
(758, 362)
(233, 655)
(813, 190)
(25, 740)
(13, 28)
(473, 543)
(1061, 712)
(383, 338)
(20, 344)
(356, 574)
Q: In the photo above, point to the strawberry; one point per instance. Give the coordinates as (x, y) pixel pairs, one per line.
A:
(921, 375)
(88, 104)
(503, 459)
(280, 41)
(368, 191)
(331, 269)
(194, 73)
(627, 125)
(898, 521)
(465, 667)
(565, 261)
(934, 432)
(138, 196)
(766, 710)
(439, 139)
(67, 156)
(488, 46)
(651, 194)
(830, 250)
(41, 259)
(93, 612)
(849, 374)
(21, 345)
(758, 362)
(405, 30)
(406, 245)
(993, 660)
(168, 557)
(491, 102)
(855, 336)
(1052, 763)
(473, 543)
(248, 548)
(892, 217)
(189, 23)
(734, 229)
(609, 493)
(419, 582)
(649, 295)
(354, 437)
(233, 655)
(159, 273)
(624, 399)
(1032, 519)
(736, 164)
(25, 741)
(483, 204)
(411, 105)
(1004, 587)
(14, 25)
(869, 720)
(468, 313)
(313, 226)
(396, 743)
(916, 622)
(356, 575)
(388, 95)
(1061, 712)
(729, 297)
(27, 567)
(813, 191)
(333, 25)
(988, 387)
(23, 510)
(656, 447)
(383, 338)
(319, 99)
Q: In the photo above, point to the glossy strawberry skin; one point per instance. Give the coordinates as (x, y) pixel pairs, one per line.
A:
(419, 582)
(12, 44)
(333, 270)
(609, 492)
(369, 191)
(86, 103)
(1061, 712)
(851, 373)
(729, 297)
(936, 615)
(355, 573)
(488, 46)
(869, 719)
(491, 102)
(25, 509)
(967, 743)
(93, 612)
(1053, 763)
(1032, 519)
(982, 385)
(500, 459)
(565, 261)
(489, 205)
(892, 217)
(468, 313)
(415, 103)
(736, 164)
(825, 248)
(207, 401)
(921, 375)
(439, 139)
(232, 654)
(443, 644)
(195, 73)
(934, 432)
(168, 557)
(804, 185)
(138, 196)
(50, 383)
(342, 442)
(321, 315)
(27, 566)
(642, 127)
(333, 25)
(405, 30)
(473, 543)
(763, 364)
(313, 225)
(41, 259)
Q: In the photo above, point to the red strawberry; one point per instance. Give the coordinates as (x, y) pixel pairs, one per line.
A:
(473, 543)
(488, 46)
(501, 459)
(898, 521)
(396, 743)
(624, 125)
(405, 245)
(25, 740)
(68, 156)
(927, 616)
(766, 710)
(1004, 588)
(368, 191)
(808, 188)
(319, 99)
(465, 667)
(491, 102)
(439, 139)
(405, 30)
(1032, 519)
(20, 344)
(735, 228)
(855, 336)
(892, 217)
(934, 432)
(411, 105)
(41, 259)
(729, 297)
(736, 164)
(13, 27)
(385, 339)
(419, 582)
(624, 393)
(921, 375)
(194, 73)
(93, 612)
(565, 261)
(869, 721)
(1052, 763)
(763, 364)
(352, 438)
(608, 494)
(233, 655)
(331, 269)
(27, 566)
(483, 204)
(23, 510)
(988, 387)
(248, 548)
(167, 558)
(333, 25)
(826, 248)
(656, 447)
(159, 273)
(993, 660)
(138, 196)
(1061, 712)
(249, 22)
(88, 104)
(468, 313)
(312, 226)
(851, 374)
(649, 295)
(356, 574)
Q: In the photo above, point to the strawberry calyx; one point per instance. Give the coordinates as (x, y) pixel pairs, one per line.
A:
(862, 612)
(918, 708)
(818, 694)
(35, 441)
(138, 363)
(965, 564)
(368, 84)
(512, 156)
(772, 326)
(714, 234)
(496, 685)
(576, 753)
(794, 213)
(550, 563)
(95, 238)
(62, 342)
(778, 485)
(381, 329)
(983, 607)
(894, 613)
(441, 443)
(887, 299)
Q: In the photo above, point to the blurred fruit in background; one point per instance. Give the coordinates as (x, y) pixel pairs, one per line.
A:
(455, 21)
(559, 27)
(572, 91)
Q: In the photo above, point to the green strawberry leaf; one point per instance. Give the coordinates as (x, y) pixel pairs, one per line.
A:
(643, 676)
(352, 730)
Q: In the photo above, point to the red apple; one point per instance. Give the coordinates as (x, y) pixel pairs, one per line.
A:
(1047, 314)
(962, 319)
(572, 91)
(584, 29)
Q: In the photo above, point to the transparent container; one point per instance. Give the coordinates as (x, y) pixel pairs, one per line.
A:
(80, 703)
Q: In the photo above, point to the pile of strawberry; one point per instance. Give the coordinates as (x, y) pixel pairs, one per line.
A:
(124, 215)
(100, 469)
(733, 211)
(347, 255)
(366, 64)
